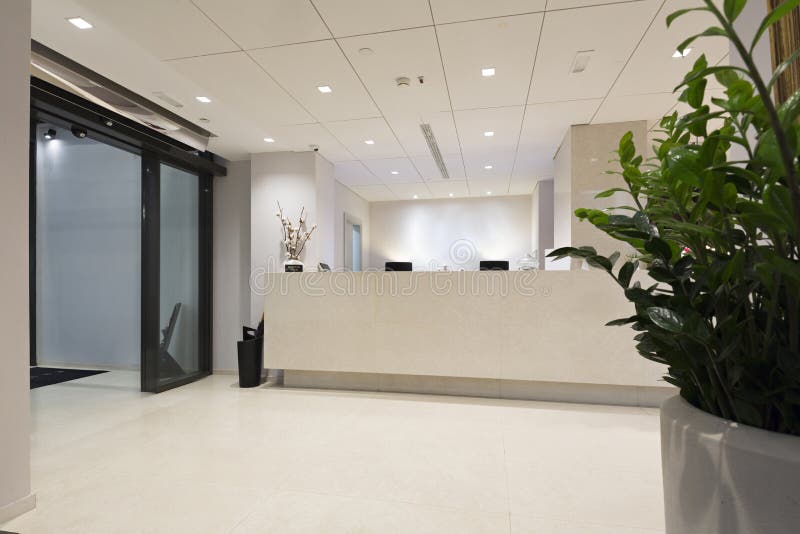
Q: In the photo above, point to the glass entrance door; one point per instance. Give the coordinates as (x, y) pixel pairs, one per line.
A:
(176, 324)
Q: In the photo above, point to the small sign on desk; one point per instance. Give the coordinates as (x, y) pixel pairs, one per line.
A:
(293, 268)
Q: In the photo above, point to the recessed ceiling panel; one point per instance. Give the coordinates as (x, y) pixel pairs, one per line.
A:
(260, 23)
(356, 17)
(237, 82)
(430, 171)
(522, 186)
(534, 163)
(383, 58)
(303, 138)
(486, 130)
(373, 193)
(606, 34)
(546, 124)
(393, 170)
(496, 164)
(451, 189)
(302, 68)
(153, 25)
(653, 69)
(410, 191)
(507, 45)
(460, 10)
(354, 173)
(407, 128)
(635, 107)
(367, 138)
(488, 187)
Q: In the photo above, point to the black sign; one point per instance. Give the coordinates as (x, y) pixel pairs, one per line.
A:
(293, 268)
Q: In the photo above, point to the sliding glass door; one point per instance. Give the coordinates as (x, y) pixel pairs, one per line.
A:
(176, 306)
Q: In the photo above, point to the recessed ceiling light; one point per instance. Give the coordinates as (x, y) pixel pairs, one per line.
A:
(678, 54)
(203, 99)
(487, 167)
(487, 72)
(80, 23)
(269, 140)
(488, 192)
(395, 172)
(369, 142)
(324, 89)
(450, 194)
(204, 120)
(488, 134)
(365, 51)
(416, 197)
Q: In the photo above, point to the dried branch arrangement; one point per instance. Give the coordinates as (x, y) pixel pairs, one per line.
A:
(294, 237)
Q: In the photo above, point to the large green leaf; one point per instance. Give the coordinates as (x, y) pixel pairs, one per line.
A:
(666, 319)
(733, 8)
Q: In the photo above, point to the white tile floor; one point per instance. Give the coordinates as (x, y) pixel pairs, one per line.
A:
(210, 457)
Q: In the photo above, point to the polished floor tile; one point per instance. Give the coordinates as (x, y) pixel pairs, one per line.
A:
(210, 457)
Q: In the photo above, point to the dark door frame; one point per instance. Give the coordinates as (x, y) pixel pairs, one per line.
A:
(54, 105)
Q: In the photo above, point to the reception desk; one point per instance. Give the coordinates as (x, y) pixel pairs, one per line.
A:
(516, 334)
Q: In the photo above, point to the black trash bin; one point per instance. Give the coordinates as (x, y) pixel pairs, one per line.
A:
(251, 361)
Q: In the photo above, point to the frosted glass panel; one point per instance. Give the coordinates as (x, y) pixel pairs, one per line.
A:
(179, 282)
(88, 251)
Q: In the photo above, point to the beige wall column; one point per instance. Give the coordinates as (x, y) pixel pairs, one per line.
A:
(15, 480)
(581, 163)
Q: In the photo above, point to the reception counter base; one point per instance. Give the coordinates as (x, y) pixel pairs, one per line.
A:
(646, 396)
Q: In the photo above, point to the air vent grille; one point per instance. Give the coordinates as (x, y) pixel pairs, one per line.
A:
(427, 131)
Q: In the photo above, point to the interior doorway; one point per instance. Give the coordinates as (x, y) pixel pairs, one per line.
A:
(353, 244)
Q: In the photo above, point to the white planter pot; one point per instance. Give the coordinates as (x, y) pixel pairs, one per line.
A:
(722, 477)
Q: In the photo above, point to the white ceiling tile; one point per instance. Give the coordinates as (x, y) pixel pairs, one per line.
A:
(153, 24)
(385, 170)
(482, 188)
(506, 44)
(652, 69)
(500, 161)
(353, 134)
(522, 186)
(356, 17)
(635, 107)
(407, 127)
(546, 124)
(534, 163)
(300, 137)
(444, 188)
(374, 193)
(459, 10)
(504, 122)
(237, 82)
(260, 23)
(430, 172)
(352, 173)
(556, 5)
(611, 31)
(302, 68)
(410, 191)
(409, 53)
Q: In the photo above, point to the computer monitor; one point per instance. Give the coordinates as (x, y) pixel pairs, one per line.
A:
(398, 266)
(494, 265)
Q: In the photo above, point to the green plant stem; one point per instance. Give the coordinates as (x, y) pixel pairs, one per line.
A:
(787, 155)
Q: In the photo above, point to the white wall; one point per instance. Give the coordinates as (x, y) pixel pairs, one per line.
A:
(231, 262)
(455, 232)
(348, 202)
(88, 247)
(542, 219)
(562, 194)
(15, 481)
(324, 236)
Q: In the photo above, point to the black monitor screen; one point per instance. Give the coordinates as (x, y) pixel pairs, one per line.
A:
(494, 265)
(398, 266)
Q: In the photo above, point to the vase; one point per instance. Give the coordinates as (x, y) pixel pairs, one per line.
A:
(293, 265)
(725, 477)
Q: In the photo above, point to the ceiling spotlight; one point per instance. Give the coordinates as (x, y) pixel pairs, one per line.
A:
(203, 99)
(416, 197)
(80, 23)
(50, 134)
(269, 140)
(204, 120)
(450, 194)
(365, 51)
(395, 172)
(78, 132)
(678, 54)
(488, 134)
(488, 192)
(324, 89)
(369, 142)
(488, 167)
(487, 72)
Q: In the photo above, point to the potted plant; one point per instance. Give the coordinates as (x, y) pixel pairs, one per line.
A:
(719, 238)
(294, 239)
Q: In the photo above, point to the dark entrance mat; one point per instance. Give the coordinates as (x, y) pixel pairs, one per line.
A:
(47, 376)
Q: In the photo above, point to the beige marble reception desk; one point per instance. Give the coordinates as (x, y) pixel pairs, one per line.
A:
(534, 334)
